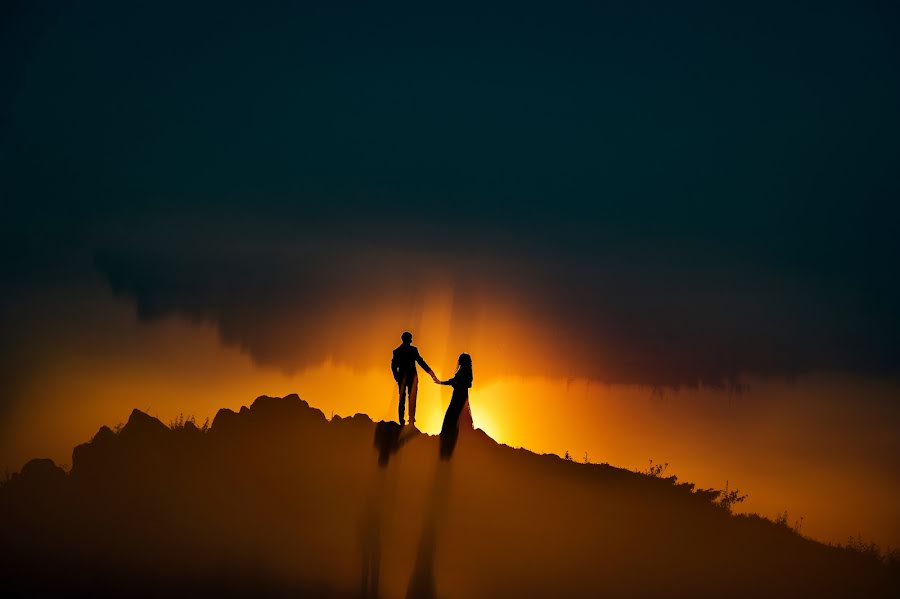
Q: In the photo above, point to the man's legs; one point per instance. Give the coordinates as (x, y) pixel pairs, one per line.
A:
(402, 386)
(413, 392)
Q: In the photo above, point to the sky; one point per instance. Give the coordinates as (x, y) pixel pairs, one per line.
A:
(663, 231)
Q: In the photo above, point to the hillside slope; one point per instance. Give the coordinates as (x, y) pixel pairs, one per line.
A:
(275, 499)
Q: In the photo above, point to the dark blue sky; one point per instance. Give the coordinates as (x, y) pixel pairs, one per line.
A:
(698, 193)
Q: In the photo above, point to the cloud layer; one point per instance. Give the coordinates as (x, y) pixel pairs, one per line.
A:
(654, 195)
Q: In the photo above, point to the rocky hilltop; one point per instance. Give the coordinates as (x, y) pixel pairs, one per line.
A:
(276, 499)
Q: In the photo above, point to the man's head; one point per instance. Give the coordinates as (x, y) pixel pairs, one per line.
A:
(406, 337)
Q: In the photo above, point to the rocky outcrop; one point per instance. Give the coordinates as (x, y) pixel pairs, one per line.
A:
(275, 499)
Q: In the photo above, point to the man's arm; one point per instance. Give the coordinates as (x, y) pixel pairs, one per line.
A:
(425, 366)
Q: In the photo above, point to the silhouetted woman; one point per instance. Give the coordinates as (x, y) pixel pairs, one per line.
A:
(461, 382)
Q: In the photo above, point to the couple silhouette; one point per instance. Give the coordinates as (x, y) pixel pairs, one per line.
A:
(403, 367)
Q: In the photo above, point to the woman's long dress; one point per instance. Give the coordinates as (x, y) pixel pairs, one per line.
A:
(458, 402)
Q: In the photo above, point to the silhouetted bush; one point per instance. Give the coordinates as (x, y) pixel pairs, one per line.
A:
(727, 499)
(868, 548)
(655, 470)
(180, 421)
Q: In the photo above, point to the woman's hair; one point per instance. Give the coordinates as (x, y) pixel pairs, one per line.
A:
(464, 368)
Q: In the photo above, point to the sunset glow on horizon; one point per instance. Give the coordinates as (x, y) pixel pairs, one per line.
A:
(786, 444)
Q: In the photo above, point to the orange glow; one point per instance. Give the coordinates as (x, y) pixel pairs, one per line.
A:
(787, 444)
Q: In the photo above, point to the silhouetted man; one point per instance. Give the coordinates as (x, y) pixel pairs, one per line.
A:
(403, 367)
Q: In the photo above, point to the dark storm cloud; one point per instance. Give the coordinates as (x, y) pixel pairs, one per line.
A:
(685, 194)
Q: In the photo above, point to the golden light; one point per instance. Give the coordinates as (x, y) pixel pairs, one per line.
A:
(483, 403)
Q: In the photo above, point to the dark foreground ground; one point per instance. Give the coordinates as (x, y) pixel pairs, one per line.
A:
(276, 500)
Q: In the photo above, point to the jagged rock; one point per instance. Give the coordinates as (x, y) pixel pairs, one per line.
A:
(225, 421)
(40, 480)
(283, 410)
(104, 435)
(88, 458)
(43, 470)
(140, 424)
